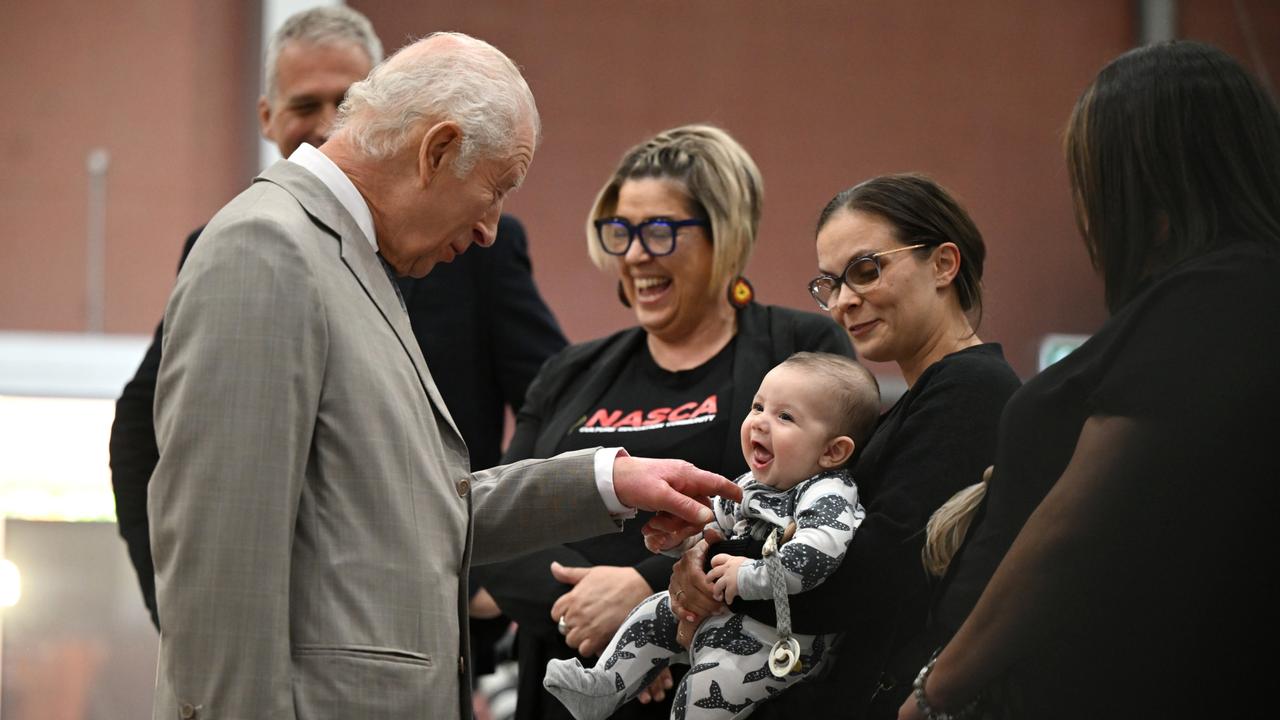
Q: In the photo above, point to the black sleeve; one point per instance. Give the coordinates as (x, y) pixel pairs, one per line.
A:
(522, 327)
(942, 445)
(533, 412)
(521, 323)
(656, 570)
(1155, 374)
(133, 457)
(524, 587)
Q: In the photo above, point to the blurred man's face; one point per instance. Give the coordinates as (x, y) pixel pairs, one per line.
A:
(311, 81)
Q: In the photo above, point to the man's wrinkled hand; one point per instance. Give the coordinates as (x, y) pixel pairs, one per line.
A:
(676, 488)
(665, 531)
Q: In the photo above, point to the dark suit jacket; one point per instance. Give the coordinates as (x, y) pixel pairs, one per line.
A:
(481, 324)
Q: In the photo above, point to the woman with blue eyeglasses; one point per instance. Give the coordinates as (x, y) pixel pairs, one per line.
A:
(676, 223)
(900, 269)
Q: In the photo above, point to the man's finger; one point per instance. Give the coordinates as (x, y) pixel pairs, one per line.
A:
(648, 484)
(666, 522)
(659, 540)
(682, 506)
(699, 482)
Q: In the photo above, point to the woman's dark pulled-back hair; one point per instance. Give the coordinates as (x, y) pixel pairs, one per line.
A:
(1172, 151)
(921, 211)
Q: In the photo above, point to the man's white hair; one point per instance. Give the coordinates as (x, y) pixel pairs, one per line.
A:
(460, 79)
(330, 25)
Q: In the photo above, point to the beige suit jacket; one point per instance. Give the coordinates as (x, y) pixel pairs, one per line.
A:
(313, 514)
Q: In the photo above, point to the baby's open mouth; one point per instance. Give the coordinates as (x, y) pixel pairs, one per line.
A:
(760, 455)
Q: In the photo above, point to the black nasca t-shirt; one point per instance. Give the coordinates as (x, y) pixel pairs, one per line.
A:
(653, 412)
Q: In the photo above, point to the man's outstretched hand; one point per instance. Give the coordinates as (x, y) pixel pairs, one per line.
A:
(678, 491)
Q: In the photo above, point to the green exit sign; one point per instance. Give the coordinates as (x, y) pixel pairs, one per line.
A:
(1057, 346)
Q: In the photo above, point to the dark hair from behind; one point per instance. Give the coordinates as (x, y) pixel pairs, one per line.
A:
(921, 211)
(1172, 151)
(852, 387)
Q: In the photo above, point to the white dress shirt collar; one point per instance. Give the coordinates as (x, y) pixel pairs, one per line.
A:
(319, 164)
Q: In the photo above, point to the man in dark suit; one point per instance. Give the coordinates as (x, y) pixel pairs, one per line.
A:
(480, 321)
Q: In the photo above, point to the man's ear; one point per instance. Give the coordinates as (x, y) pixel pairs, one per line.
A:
(264, 116)
(438, 150)
(946, 263)
(837, 453)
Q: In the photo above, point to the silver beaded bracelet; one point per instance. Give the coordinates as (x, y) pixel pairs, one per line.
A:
(930, 712)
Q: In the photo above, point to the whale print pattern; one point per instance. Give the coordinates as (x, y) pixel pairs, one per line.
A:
(729, 653)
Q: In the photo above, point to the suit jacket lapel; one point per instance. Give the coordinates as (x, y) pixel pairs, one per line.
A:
(358, 255)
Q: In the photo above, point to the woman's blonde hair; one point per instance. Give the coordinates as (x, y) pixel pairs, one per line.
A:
(720, 179)
(948, 526)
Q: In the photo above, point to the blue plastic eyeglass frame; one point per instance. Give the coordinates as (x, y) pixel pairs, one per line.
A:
(634, 231)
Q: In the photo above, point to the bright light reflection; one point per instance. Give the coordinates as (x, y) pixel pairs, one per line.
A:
(53, 459)
(10, 584)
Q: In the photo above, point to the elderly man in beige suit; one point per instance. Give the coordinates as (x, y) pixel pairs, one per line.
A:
(313, 515)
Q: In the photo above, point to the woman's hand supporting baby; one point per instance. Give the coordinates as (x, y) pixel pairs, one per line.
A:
(692, 593)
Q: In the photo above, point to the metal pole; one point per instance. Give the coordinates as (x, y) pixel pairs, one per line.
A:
(1157, 21)
(3, 528)
(97, 163)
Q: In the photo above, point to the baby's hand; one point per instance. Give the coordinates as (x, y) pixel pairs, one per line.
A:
(724, 574)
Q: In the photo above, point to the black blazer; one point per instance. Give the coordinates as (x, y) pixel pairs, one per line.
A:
(485, 331)
(483, 328)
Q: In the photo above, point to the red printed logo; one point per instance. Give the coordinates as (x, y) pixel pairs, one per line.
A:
(690, 413)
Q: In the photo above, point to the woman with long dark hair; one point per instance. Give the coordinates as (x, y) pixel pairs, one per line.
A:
(1140, 585)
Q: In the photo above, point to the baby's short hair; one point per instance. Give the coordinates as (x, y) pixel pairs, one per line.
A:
(853, 389)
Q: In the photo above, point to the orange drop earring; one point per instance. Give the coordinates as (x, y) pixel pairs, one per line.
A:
(740, 292)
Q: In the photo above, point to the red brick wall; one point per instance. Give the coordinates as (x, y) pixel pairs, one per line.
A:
(162, 87)
(823, 94)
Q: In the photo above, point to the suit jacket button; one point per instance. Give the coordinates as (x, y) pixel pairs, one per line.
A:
(187, 711)
(464, 487)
